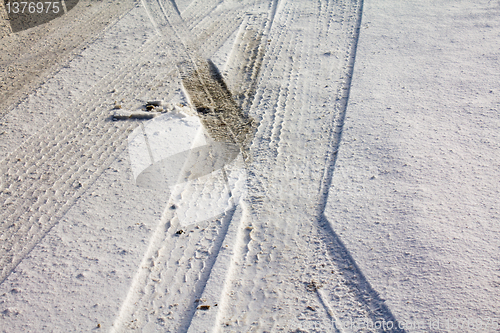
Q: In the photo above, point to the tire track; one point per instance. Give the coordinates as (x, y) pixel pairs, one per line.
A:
(358, 289)
(75, 154)
(252, 295)
(43, 177)
(243, 66)
(147, 306)
(289, 260)
(192, 12)
(25, 69)
(283, 97)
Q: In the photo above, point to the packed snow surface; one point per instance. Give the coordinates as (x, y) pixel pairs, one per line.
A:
(317, 166)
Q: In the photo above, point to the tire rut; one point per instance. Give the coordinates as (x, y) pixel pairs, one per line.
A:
(174, 309)
(54, 46)
(44, 176)
(291, 264)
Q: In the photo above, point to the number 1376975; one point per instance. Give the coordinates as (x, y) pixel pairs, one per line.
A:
(32, 7)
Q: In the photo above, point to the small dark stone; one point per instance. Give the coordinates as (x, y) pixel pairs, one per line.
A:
(203, 110)
(155, 103)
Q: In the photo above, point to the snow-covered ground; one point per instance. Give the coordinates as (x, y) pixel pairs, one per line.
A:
(415, 190)
(354, 199)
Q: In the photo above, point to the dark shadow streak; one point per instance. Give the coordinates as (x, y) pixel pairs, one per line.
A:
(338, 251)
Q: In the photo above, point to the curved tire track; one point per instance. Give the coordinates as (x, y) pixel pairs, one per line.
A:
(31, 56)
(43, 177)
(276, 257)
(291, 259)
(179, 265)
(273, 258)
